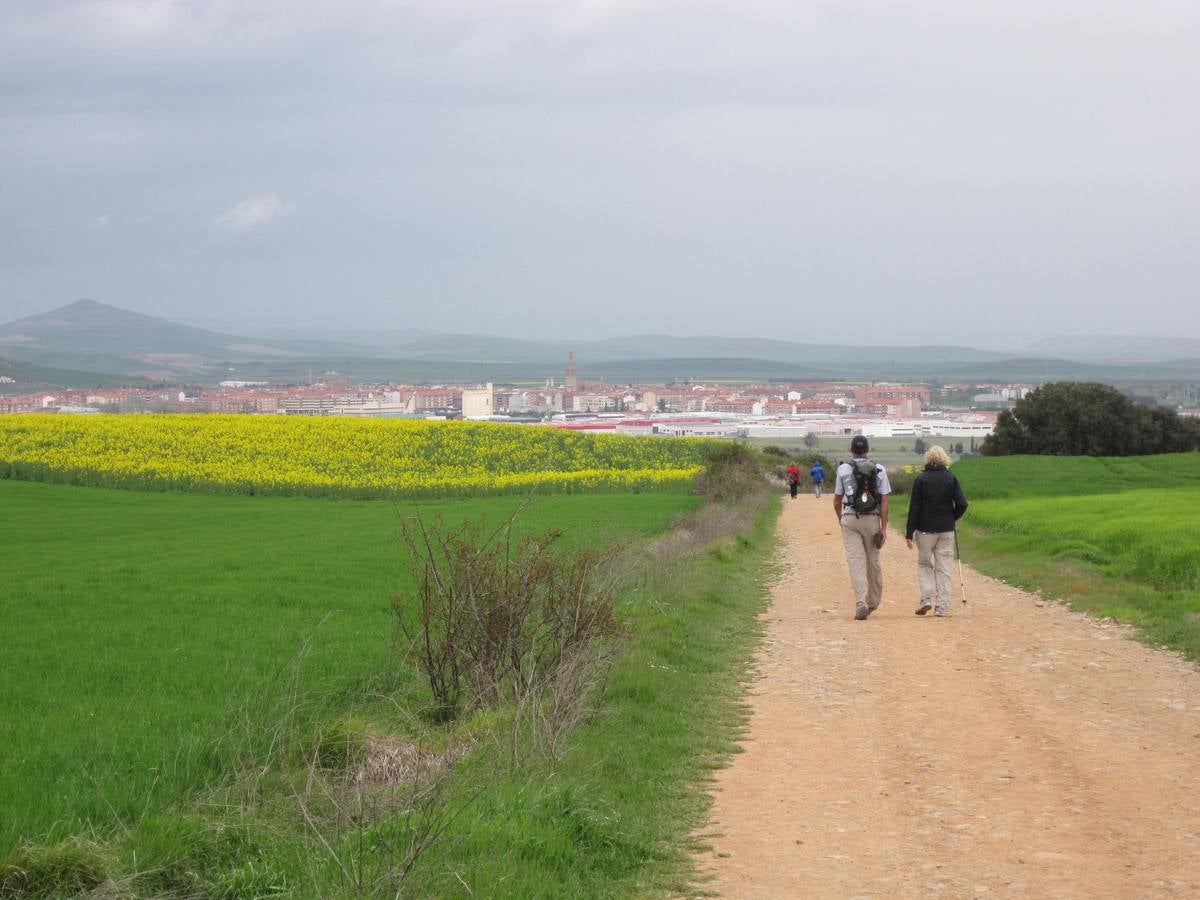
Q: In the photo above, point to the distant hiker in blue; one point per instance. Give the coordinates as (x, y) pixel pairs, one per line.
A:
(818, 477)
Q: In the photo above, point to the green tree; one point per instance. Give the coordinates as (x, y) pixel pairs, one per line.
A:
(1084, 419)
(811, 440)
(919, 446)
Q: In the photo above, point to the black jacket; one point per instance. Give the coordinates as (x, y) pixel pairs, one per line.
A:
(937, 502)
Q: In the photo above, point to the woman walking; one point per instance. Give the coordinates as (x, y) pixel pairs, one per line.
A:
(936, 505)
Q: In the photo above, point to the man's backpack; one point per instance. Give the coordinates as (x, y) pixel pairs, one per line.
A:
(866, 486)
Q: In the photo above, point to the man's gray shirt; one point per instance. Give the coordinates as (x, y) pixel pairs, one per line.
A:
(844, 485)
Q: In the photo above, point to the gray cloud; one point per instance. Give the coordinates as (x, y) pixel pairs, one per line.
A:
(968, 172)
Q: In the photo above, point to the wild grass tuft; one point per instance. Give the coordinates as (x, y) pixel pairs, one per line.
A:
(70, 867)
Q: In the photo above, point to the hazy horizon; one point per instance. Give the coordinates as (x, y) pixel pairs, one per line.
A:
(986, 175)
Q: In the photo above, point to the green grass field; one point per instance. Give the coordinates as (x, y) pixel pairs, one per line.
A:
(1114, 536)
(1040, 476)
(148, 636)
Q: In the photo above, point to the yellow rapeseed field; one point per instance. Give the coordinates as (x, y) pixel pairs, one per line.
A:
(330, 456)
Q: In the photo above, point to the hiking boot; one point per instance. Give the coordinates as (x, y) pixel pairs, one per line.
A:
(925, 607)
(861, 613)
(941, 612)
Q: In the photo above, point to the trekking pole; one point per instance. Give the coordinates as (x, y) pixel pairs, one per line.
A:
(961, 583)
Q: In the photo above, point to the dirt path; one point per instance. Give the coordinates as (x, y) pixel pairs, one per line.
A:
(1018, 749)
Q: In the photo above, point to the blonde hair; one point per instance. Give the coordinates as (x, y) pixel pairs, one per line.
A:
(937, 456)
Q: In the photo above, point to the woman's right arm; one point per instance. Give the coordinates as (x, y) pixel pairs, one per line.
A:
(914, 509)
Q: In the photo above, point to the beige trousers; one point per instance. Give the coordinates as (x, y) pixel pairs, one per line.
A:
(866, 574)
(935, 568)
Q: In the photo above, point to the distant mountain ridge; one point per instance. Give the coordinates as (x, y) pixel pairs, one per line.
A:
(1108, 348)
(92, 337)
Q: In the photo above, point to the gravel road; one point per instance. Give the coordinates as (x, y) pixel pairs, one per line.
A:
(1014, 749)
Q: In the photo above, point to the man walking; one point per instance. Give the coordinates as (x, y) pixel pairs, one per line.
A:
(860, 501)
(817, 473)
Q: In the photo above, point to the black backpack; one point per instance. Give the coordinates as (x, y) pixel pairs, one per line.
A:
(866, 486)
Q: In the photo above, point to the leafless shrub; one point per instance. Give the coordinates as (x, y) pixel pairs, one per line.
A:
(493, 620)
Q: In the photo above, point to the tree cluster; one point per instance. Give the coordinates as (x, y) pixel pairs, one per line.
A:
(1083, 419)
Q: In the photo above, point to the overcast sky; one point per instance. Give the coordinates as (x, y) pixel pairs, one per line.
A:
(985, 173)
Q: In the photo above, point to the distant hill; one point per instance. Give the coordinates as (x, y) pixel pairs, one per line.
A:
(28, 377)
(474, 347)
(88, 343)
(715, 347)
(1107, 348)
(96, 337)
(86, 326)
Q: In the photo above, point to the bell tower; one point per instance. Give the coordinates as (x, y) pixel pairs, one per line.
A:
(571, 381)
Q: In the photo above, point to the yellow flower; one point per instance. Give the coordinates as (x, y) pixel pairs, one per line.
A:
(335, 456)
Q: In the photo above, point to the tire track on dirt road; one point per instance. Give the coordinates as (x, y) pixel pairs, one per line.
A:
(1016, 749)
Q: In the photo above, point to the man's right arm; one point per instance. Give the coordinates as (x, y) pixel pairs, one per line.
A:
(838, 499)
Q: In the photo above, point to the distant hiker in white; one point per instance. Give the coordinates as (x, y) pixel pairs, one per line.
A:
(936, 505)
(860, 500)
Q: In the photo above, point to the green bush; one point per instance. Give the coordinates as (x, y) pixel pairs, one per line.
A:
(902, 480)
(731, 474)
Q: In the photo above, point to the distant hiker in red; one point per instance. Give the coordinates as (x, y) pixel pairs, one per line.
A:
(793, 478)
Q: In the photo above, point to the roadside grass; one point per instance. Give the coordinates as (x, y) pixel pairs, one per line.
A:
(1114, 537)
(1051, 564)
(155, 642)
(613, 817)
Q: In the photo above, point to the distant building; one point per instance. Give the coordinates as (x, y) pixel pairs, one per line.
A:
(593, 403)
(426, 400)
(890, 399)
(478, 403)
